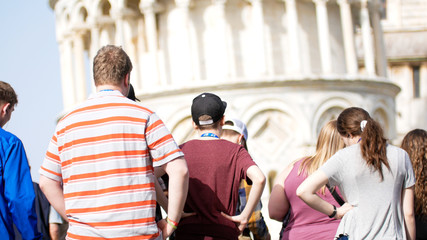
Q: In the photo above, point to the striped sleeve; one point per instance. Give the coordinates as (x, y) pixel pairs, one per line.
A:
(161, 145)
(51, 166)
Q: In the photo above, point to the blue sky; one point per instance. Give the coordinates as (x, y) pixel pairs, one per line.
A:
(29, 61)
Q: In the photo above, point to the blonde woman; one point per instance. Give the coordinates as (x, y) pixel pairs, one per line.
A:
(305, 222)
(415, 144)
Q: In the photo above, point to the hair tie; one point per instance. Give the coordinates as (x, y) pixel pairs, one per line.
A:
(363, 125)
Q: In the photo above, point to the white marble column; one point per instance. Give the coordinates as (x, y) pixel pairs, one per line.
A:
(79, 66)
(94, 38)
(67, 79)
(348, 37)
(118, 15)
(294, 60)
(258, 36)
(323, 34)
(130, 32)
(185, 72)
(423, 81)
(367, 39)
(222, 44)
(149, 9)
(380, 54)
(93, 50)
(106, 34)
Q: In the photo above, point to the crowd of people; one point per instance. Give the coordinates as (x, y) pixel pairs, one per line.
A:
(112, 163)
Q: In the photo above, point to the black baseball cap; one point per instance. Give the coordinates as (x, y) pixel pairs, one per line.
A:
(207, 104)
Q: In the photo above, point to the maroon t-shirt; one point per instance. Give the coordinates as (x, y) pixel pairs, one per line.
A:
(216, 168)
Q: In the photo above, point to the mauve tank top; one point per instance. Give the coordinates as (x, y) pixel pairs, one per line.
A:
(305, 222)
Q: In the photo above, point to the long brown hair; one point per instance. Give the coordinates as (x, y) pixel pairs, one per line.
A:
(415, 144)
(372, 144)
(328, 143)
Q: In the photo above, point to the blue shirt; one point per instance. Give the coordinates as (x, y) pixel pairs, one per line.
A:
(17, 197)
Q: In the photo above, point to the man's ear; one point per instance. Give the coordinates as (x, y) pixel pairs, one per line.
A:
(222, 121)
(4, 109)
(194, 125)
(127, 79)
(239, 139)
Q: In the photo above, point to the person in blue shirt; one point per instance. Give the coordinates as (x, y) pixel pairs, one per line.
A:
(17, 196)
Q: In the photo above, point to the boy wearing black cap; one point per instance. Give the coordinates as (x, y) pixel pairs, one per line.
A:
(216, 167)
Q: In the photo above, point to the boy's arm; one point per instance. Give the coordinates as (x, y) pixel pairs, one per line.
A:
(258, 183)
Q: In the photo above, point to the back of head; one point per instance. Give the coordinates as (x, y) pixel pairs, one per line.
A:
(415, 144)
(328, 143)
(110, 65)
(7, 94)
(235, 127)
(356, 121)
(207, 109)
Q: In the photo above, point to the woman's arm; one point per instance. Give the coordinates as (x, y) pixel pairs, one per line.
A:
(408, 212)
(278, 204)
(307, 192)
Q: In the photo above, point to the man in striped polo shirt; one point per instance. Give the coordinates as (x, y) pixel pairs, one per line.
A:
(98, 172)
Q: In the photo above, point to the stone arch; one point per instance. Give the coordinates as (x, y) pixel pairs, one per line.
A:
(79, 13)
(326, 111)
(101, 8)
(272, 122)
(383, 117)
(275, 127)
(133, 5)
(104, 9)
(180, 124)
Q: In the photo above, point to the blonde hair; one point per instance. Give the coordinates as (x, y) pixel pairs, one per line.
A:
(415, 144)
(328, 143)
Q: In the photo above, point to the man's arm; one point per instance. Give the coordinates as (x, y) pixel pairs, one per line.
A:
(19, 191)
(178, 189)
(162, 200)
(53, 191)
(408, 212)
(258, 183)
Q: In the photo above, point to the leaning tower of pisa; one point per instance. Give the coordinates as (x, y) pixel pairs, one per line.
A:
(285, 67)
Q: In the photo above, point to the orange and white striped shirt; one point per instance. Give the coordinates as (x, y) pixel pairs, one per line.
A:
(104, 153)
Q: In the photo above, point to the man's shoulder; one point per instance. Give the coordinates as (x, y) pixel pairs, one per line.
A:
(108, 103)
(8, 136)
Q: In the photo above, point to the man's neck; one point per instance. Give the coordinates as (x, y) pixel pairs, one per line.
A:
(110, 87)
(209, 134)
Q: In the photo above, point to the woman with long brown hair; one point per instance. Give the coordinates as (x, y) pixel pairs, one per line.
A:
(375, 178)
(304, 222)
(415, 144)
